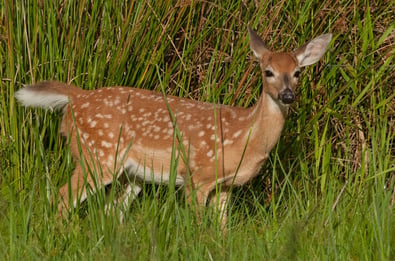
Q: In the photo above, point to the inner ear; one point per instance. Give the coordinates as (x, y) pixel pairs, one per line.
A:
(312, 51)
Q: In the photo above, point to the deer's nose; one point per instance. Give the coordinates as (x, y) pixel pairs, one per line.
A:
(287, 96)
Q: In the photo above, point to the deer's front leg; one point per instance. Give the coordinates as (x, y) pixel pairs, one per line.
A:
(221, 202)
(196, 198)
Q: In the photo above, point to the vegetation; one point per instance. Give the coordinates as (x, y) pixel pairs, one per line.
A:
(328, 189)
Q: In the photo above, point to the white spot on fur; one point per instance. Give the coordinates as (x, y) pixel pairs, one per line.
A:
(148, 114)
(233, 114)
(85, 105)
(107, 116)
(237, 134)
(192, 164)
(228, 142)
(108, 103)
(110, 160)
(106, 144)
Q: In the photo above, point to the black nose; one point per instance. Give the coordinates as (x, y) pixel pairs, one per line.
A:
(287, 96)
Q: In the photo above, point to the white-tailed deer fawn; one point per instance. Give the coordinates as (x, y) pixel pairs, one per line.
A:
(120, 130)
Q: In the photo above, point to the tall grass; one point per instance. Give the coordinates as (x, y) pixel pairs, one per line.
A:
(328, 189)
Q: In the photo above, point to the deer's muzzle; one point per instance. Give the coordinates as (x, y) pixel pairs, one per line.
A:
(287, 96)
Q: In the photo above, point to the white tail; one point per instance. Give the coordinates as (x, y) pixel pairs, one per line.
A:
(134, 129)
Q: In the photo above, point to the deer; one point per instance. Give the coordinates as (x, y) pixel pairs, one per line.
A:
(123, 131)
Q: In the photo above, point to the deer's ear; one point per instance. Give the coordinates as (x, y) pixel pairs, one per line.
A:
(312, 51)
(256, 44)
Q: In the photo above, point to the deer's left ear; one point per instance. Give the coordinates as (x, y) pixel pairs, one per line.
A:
(312, 51)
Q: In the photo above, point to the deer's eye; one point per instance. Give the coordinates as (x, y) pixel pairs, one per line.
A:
(297, 74)
(268, 73)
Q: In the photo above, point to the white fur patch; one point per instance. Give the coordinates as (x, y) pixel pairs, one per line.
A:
(32, 98)
(145, 173)
(273, 106)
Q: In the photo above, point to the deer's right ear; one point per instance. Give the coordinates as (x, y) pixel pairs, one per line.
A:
(256, 44)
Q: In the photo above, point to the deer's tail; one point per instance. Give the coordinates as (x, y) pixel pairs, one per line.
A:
(48, 95)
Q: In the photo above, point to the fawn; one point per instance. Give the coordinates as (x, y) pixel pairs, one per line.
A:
(126, 131)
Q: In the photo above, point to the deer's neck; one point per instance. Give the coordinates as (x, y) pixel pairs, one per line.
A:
(267, 122)
(261, 131)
